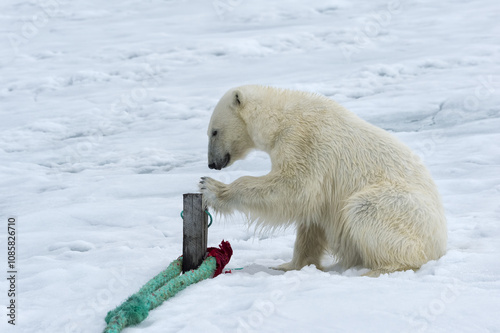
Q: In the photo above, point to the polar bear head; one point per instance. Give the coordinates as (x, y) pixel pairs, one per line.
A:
(228, 136)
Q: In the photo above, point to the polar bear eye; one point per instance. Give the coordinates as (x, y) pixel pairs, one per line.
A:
(214, 133)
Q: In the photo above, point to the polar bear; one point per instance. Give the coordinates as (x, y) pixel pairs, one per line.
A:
(350, 188)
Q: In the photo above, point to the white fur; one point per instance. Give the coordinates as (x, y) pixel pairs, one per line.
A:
(351, 188)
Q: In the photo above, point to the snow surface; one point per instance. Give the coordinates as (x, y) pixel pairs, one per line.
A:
(104, 108)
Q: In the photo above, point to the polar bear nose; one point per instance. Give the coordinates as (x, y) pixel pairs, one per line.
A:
(219, 164)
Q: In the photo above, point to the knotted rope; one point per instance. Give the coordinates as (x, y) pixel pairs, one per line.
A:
(165, 285)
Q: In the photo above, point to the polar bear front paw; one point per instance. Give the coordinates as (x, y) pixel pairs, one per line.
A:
(212, 190)
(291, 266)
(288, 266)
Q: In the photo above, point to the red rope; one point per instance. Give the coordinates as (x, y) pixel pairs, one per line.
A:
(222, 255)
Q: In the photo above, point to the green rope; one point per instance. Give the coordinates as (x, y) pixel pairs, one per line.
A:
(160, 288)
(206, 211)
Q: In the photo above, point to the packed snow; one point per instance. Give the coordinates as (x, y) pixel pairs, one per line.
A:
(104, 110)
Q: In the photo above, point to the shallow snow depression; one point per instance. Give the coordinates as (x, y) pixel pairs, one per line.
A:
(104, 110)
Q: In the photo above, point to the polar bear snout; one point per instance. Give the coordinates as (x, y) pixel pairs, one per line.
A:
(219, 163)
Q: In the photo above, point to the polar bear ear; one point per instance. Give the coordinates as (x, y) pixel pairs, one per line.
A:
(237, 100)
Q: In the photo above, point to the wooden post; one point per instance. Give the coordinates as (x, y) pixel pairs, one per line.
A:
(194, 245)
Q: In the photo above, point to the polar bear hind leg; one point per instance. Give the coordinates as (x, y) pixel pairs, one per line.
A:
(386, 225)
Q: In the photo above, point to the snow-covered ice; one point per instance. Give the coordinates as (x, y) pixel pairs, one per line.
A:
(104, 107)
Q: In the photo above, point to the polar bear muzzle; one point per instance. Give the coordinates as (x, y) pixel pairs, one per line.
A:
(219, 164)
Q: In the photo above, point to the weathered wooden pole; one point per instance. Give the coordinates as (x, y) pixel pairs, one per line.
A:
(194, 245)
